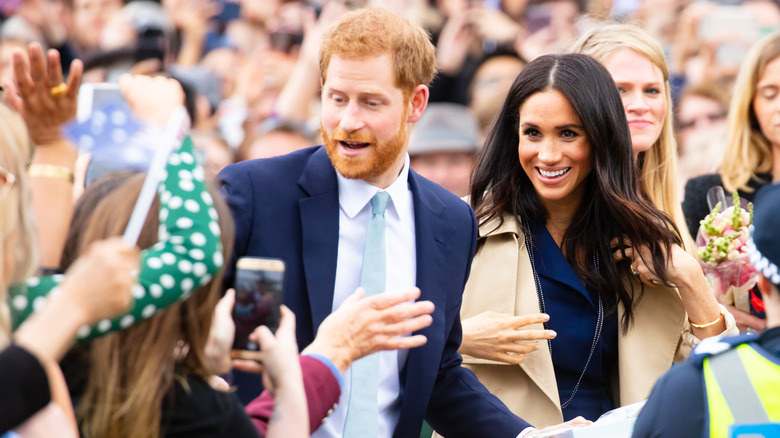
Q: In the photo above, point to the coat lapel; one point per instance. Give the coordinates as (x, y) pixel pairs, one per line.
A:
(650, 346)
(510, 290)
(320, 231)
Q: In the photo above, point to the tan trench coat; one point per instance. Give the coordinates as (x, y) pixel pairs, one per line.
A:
(502, 281)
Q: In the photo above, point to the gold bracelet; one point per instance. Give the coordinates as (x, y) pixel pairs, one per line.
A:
(50, 171)
(707, 324)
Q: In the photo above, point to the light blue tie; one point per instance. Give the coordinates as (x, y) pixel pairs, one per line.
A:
(362, 412)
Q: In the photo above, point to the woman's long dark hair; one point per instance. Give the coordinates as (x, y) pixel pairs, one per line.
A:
(612, 206)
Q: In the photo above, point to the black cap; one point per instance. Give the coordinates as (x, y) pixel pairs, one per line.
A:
(764, 242)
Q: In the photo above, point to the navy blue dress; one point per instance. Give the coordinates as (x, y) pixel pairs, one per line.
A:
(573, 311)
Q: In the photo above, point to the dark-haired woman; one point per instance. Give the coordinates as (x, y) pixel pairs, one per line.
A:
(565, 231)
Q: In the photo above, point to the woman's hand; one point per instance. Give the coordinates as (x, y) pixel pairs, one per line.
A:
(39, 93)
(680, 266)
(746, 321)
(574, 422)
(684, 273)
(99, 282)
(221, 335)
(498, 336)
(455, 39)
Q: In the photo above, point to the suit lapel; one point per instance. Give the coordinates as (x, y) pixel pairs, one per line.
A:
(433, 240)
(433, 237)
(320, 231)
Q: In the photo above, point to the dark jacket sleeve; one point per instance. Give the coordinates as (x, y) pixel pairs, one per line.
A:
(322, 393)
(24, 387)
(676, 407)
(694, 204)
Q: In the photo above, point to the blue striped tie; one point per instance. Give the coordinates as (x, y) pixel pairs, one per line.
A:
(362, 412)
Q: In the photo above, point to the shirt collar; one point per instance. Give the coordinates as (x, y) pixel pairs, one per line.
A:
(355, 194)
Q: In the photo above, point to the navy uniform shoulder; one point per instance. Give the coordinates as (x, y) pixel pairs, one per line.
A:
(713, 346)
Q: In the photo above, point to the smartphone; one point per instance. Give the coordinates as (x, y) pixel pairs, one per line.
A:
(539, 17)
(259, 293)
(94, 96)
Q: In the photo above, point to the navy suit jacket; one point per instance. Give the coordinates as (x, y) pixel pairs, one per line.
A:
(288, 207)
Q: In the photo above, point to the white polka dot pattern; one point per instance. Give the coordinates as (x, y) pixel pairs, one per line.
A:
(172, 268)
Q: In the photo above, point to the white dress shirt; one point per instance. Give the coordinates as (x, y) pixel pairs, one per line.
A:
(354, 214)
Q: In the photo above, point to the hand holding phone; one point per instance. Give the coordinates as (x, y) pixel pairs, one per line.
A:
(259, 289)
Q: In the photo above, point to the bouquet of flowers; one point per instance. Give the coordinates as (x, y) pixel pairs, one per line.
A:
(722, 250)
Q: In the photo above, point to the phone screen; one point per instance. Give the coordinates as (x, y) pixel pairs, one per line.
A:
(539, 17)
(259, 291)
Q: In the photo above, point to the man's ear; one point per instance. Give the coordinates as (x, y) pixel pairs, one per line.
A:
(418, 101)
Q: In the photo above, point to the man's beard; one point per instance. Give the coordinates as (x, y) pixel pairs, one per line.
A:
(379, 159)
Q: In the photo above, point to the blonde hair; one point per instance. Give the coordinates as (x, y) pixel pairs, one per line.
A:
(659, 163)
(748, 152)
(131, 371)
(371, 32)
(17, 226)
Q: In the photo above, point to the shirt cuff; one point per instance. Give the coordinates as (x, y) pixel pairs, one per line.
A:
(329, 363)
(526, 431)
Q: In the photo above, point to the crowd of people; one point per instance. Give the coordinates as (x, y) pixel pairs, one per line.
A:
(498, 236)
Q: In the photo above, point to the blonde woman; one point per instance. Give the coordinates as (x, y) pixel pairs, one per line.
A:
(638, 67)
(97, 286)
(751, 157)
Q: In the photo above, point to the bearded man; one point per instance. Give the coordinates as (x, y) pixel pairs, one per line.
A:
(318, 209)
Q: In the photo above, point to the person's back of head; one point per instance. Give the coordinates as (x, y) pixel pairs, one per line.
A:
(131, 371)
(764, 249)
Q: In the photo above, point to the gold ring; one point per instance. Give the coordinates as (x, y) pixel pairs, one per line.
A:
(59, 90)
(634, 271)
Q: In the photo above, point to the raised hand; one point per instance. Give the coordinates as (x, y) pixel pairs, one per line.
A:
(39, 94)
(361, 326)
(152, 98)
(502, 337)
(100, 280)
